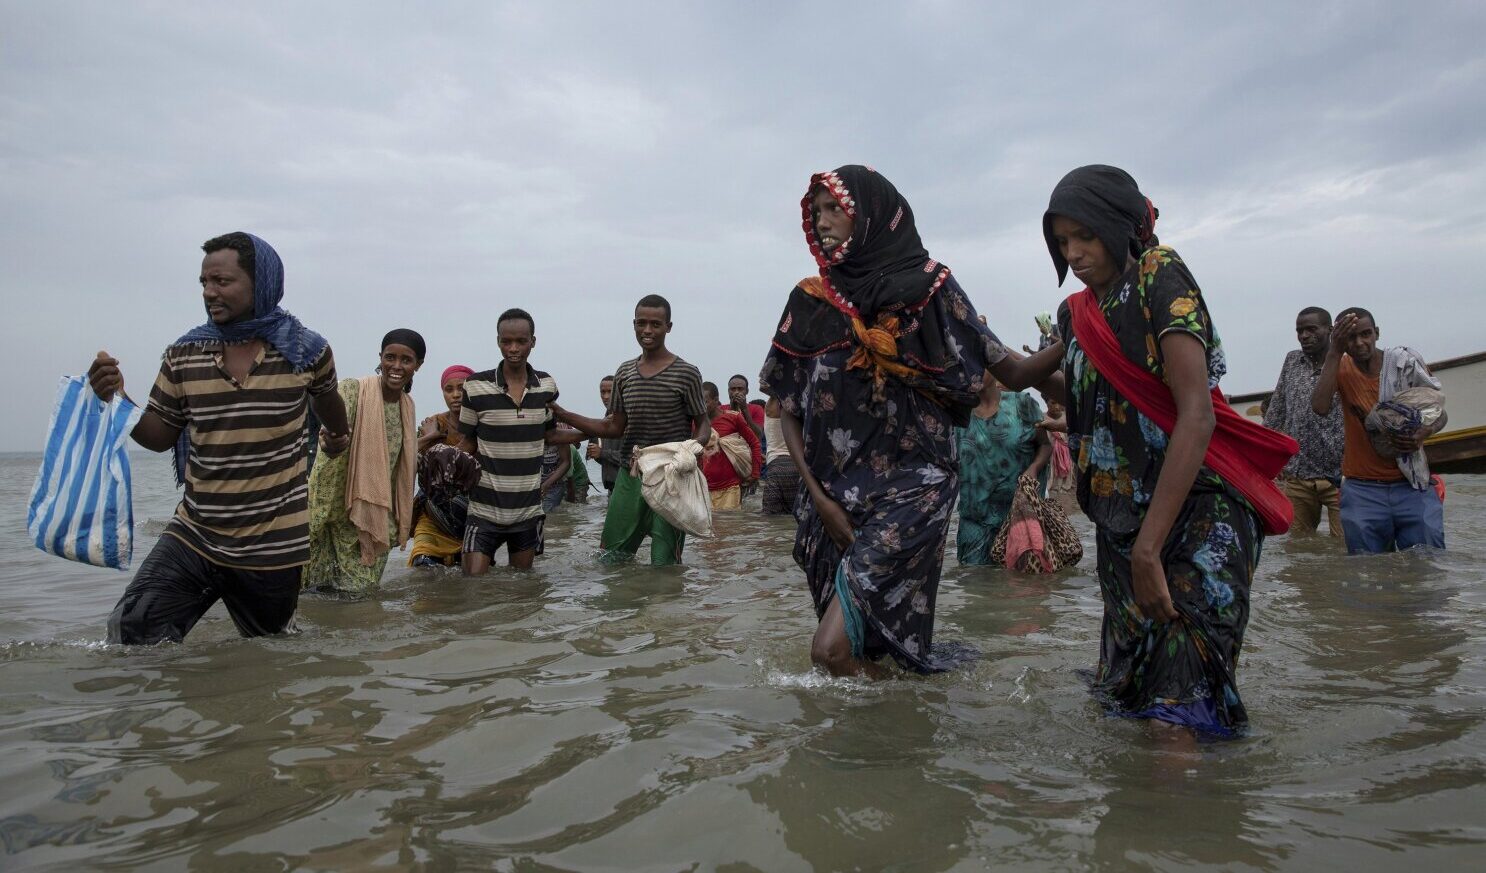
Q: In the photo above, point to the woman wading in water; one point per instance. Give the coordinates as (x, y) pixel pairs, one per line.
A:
(1178, 488)
(874, 363)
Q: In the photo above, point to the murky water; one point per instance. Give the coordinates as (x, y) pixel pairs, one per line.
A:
(589, 717)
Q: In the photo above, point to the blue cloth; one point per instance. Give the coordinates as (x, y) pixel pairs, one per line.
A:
(81, 507)
(273, 324)
(1390, 516)
(270, 322)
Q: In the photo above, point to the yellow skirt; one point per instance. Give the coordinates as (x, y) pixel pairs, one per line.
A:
(429, 540)
(728, 498)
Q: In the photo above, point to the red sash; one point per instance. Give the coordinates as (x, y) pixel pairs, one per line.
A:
(1247, 455)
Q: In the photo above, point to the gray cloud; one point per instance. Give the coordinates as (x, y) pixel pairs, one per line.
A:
(428, 167)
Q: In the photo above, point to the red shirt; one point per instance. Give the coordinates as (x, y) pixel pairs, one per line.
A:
(718, 469)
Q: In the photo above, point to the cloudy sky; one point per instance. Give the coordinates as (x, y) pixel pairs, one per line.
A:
(427, 165)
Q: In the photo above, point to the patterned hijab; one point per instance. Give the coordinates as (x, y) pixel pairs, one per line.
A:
(270, 322)
(1107, 201)
(883, 270)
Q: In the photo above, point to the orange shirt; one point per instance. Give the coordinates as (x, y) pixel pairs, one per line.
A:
(1359, 394)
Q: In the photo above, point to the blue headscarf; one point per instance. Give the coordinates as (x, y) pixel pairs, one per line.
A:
(273, 324)
(270, 322)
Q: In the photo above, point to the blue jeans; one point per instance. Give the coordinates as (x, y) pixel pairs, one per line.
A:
(1390, 516)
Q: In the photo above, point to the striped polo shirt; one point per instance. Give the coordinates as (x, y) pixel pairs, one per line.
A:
(657, 409)
(247, 496)
(510, 439)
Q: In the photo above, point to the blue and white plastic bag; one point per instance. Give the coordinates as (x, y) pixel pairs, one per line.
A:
(81, 505)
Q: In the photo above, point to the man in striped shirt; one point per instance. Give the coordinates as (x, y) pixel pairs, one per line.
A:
(231, 398)
(506, 424)
(657, 399)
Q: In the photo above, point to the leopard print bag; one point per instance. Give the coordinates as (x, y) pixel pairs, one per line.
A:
(1061, 546)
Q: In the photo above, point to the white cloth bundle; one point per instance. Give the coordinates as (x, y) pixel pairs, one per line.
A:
(674, 486)
(739, 454)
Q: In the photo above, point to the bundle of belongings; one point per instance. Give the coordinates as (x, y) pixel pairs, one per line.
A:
(673, 484)
(1404, 415)
(737, 451)
(1036, 537)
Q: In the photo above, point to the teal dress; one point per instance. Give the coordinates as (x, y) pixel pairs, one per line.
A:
(993, 454)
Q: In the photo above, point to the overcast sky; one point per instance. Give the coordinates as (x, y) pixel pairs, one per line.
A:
(427, 165)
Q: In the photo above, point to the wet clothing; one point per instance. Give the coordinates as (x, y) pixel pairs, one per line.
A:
(485, 538)
(994, 452)
(629, 520)
(445, 476)
(726, 499)
(246, 492)
(780, 486)
(1182, 672)
(335, 543)
(887, 453)
(609, 462)
(1289, 411)
(879, 356)
(552, 497)
(1309, 497)
(176, 585)
(1390, 516)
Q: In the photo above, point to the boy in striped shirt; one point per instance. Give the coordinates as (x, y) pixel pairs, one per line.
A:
(506, 424)
(657, 399)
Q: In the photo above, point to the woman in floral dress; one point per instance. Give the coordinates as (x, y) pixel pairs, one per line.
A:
(1177, 544)
(874, 363)
(351, 529)
(1000, 444)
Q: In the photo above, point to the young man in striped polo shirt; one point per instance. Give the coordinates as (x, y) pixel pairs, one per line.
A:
(657, 399)
(231, 398)
(507, 425)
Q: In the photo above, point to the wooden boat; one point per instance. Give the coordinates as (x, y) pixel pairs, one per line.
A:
(1461, 446)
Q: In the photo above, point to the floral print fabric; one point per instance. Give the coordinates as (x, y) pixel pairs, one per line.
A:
(893, 466)
(1182, 671)
(335, 548)
(994, 452)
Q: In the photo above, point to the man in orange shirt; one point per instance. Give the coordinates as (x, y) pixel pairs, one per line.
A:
(1387, 505)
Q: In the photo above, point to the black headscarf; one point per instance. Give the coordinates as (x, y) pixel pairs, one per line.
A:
(1107, 201)
(405, 337)
(413, 340)
(883, 268)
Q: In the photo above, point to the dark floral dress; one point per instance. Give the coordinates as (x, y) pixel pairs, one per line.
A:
(1183, 671)
(893, 467)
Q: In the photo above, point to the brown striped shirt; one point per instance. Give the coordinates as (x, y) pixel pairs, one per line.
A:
(658, 409)
(246, 502)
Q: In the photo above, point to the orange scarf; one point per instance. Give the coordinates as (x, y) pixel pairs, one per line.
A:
(877, 346)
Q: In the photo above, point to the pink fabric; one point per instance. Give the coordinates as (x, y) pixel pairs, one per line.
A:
(1062, 458)
(455, 370)
(1025, 536)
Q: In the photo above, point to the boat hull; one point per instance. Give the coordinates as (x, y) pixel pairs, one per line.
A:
(1461, 446)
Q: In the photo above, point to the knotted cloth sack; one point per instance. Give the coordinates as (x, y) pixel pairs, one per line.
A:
(674, 486)
(1036, 537)
(1404, 415)
(81, 505)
